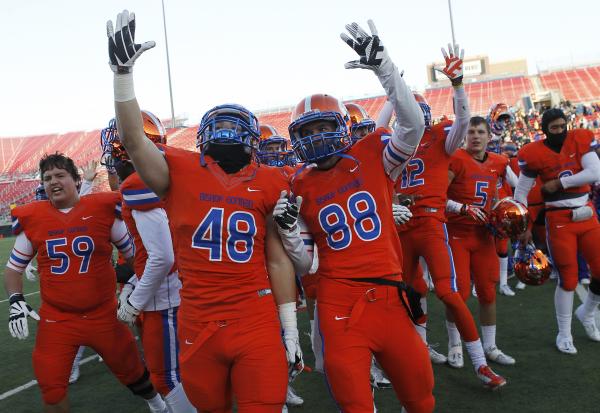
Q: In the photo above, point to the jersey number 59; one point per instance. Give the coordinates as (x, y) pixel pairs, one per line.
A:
(82, 247)
(365, 221)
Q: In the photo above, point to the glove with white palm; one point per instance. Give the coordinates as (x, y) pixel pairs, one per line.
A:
(369, 48)
(126, 312)
(286, 212)
(18, 312)
(401, 214)
(122, 49)
(454, 64)
(291, 339)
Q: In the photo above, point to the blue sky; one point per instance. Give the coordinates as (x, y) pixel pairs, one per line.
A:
(262, 53)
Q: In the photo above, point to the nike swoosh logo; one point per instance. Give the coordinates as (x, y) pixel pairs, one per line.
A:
(559, 226)
(340, 318)
(253, 190)
(84, 218)
(354, 169)
(188, 342)
(456, 237)
(492, 170)
(50, 321)
(572, 155)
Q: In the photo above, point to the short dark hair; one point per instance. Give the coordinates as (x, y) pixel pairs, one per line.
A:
(478, 120)
(60, 161)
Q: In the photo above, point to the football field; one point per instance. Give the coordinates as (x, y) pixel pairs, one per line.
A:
(543, 380)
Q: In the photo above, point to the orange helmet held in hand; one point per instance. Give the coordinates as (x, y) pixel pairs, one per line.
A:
(360, 119)
(531, 266)
(509, 218)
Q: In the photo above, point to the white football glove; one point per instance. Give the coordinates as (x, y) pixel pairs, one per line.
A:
(369, 47)
(291, 339)
(286, 212)
(122, 49)
(18, 312)
(401, 214)
(31, 272)
(126, 312)
(454, 64)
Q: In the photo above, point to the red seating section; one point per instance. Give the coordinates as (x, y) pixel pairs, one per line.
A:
(482, 95)
(576, 85)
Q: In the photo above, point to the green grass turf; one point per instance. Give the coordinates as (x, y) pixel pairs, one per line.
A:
(543, 380)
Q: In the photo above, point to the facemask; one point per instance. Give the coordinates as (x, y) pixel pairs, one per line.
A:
(556, 140)
(231, 158)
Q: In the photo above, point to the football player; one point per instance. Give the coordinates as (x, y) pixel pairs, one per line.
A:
(345, 198)
(425, 182)
(74, 240)
(89, 174)
(234, 270)
(361, 123)
(567, 164)
(473, 174)
(274, 150)
(155, 297)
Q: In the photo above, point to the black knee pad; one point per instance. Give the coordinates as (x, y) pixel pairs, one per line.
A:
(502, 254)
(142, 386)
(595, 286)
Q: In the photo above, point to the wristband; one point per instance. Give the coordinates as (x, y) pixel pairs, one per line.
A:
(123, 87)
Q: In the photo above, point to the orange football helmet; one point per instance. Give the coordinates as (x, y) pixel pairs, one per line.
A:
(112, 148)
(274, 149)
(359, 119)
(509, 218)
(320, 145)
(531, 266)
(499, 118)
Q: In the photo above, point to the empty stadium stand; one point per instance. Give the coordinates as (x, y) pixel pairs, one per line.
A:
(481, 95)
(576, 85)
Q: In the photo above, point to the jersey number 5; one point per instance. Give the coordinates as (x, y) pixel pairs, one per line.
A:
(480, 194)
(82, 247)
(363, 210)
(241, 229)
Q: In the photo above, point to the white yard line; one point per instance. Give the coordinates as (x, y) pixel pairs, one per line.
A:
(26, 295)
(34, 382)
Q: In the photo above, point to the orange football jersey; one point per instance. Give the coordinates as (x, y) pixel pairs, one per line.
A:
(74, 253)
(348, 210)
(137, 196)
(425, 177)
(219, 227)
(475, 182)
(536, 159)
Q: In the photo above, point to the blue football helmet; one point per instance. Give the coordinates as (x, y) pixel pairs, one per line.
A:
(425, 108)
(40, 193)
(242, 127)
(108, 136)
(273, 149)
(322, 145)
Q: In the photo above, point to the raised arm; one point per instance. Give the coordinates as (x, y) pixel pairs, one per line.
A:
(123, 51)
(409, 117)
(453, 70)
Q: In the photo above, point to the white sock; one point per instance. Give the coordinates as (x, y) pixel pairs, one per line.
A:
(422, 327)
(488, 336)
(563, 304)
(316, 341)
(590, 305)
(177, 401)
(503, 270)
(79, 355)
(156, 404)
(476, 354)
(422, 330)
(453, 334)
